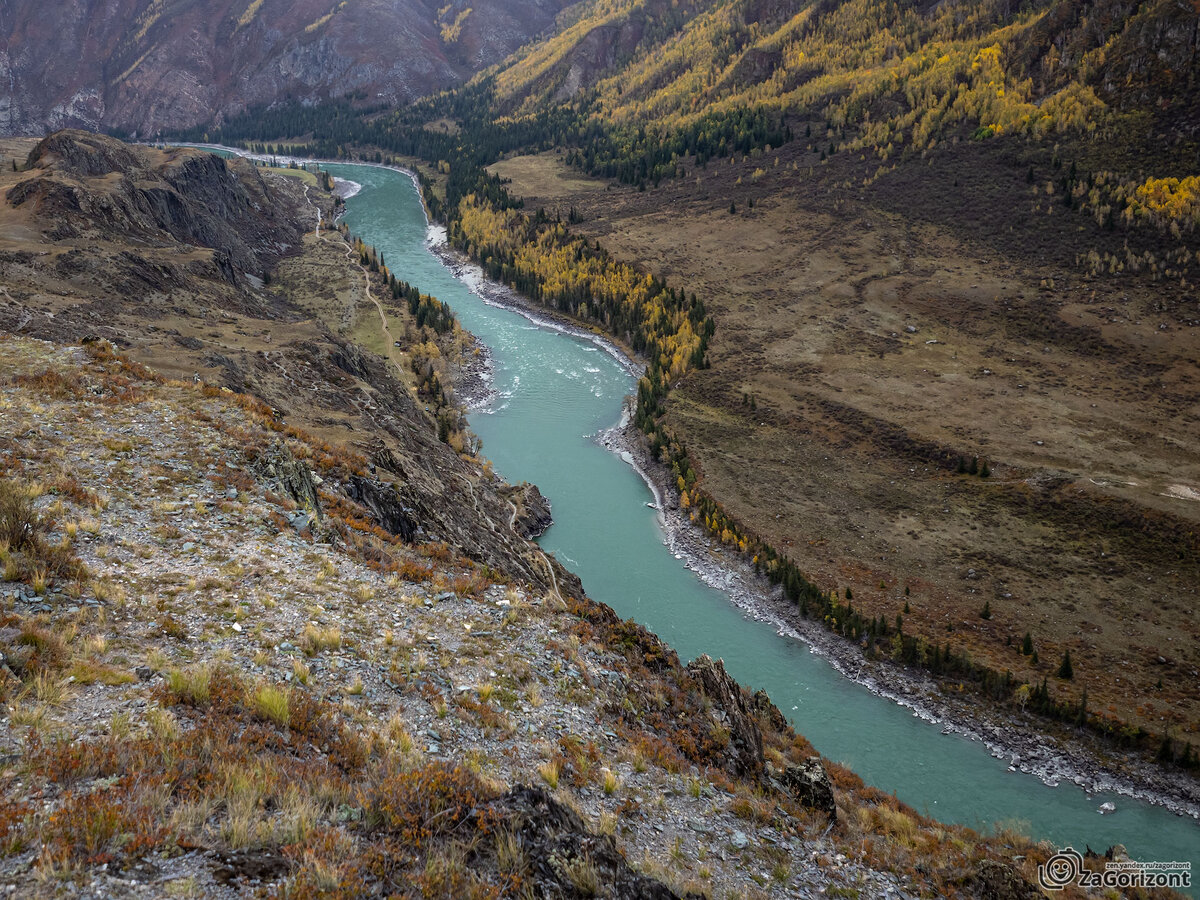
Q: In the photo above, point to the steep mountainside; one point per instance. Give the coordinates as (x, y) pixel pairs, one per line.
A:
(898, 69)
(141, 65)
(166, 254)
(287, 643)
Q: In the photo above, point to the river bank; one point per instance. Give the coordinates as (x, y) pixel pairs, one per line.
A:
(1019, 740)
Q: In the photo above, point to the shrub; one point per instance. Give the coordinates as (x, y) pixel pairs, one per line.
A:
(21, 528)
(424, 803)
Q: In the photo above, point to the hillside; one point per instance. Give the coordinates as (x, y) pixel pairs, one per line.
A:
(915, 285)
(137, 66)
(287, 642)
(900, 72)
(204, 700)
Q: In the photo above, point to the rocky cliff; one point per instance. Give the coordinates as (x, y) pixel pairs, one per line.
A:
(141, 65)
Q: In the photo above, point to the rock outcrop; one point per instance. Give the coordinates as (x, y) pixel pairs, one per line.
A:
(290, 477)
(555, 839)
(532, 510)
(809, 783)
(385, 504)
(745, 752)
(91, 186)
(999, 881)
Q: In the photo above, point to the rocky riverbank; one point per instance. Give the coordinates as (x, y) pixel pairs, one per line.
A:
(1019, 740)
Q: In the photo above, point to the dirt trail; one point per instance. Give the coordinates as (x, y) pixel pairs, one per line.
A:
(390, 350)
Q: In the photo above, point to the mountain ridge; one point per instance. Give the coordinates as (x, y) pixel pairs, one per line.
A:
(138, 66)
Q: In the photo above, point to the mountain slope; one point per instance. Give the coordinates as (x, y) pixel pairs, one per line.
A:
(911, 67)
(141, 65)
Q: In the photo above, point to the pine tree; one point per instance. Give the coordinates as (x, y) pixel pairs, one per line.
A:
(1065, 669)
(1027, 644)
(986, 612)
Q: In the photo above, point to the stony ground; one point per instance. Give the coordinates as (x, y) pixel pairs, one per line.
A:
(194, 565)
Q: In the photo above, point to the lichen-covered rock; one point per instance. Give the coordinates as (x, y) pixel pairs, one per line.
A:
(999, 881)
(289, 476)
(809, 783)
(745, 753)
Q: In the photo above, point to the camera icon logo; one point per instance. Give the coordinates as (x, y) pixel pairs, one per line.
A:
(1060, 870)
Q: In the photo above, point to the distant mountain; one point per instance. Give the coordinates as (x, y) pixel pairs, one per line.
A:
(142, 65)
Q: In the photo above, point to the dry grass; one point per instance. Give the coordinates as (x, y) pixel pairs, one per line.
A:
(272, 704)
(316, 639)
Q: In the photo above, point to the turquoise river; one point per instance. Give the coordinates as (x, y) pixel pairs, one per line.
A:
(555, 393)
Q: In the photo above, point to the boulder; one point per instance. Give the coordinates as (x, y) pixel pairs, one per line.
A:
(809, 783)
(745, 753)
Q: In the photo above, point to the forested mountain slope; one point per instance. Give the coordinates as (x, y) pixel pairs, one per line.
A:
(899, 70)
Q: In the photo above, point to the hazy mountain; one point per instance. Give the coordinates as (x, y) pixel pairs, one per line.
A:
(141, 65)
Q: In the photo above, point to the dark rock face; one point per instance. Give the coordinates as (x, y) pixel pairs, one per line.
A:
(809, 783)
(134, 66)
(745, 755)
(351, 360)
(533, 511)
(91, 185)
(384, 503)
(999, 881)
(290, 477)
(763, 707)
(555, 839)
(83, 155)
